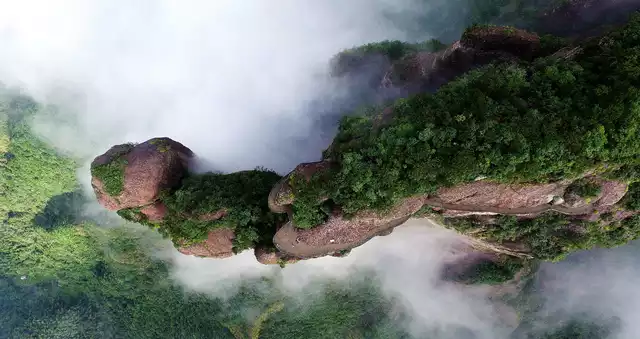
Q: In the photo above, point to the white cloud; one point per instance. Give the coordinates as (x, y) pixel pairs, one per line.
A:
(240, 82)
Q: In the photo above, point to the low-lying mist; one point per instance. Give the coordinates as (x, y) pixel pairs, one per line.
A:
(243, 84)
(597, 286)
(406, 263)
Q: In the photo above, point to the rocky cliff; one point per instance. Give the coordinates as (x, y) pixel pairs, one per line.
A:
(526, 145)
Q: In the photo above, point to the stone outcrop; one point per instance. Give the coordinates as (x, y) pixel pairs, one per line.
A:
(154, 212)
(485, 193)
(139, 182)
(480, 45)
(271, 256)
(477, 198)
(219, 244)
(129, 176)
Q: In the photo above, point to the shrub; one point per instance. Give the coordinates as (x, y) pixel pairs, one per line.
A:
(243, 197)
(491, 272)
(111, 174)
(551, 236)
(631, 200)
(584, 188)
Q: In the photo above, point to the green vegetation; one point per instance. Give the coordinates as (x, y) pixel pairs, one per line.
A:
(584, 188)
(631, 200)
(537, 122)
(579, 326)
(491, 272)
(629, 173)
(552, 236)
(111, 174)
(61, 210)
(134, 214)
(476, 31)
(314, 317)
(550, 44)
(241, 196)
(208, 201)
(394, 49)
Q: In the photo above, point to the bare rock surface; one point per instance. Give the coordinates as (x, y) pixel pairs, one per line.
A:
(611, 193)
(148, 169)
(341, 230)
(154, 212)
(485, 193)
(219, 244)
(427, 71)
(268, 256)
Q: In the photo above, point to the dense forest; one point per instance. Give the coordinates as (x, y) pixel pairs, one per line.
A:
(550, 119)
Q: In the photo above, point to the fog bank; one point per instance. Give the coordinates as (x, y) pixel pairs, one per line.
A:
(407, 263)
(241, 83)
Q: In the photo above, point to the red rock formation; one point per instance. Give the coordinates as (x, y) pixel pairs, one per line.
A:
(496, 42)
(219, 244)
(485, 193)
(155, 212)
(150, 168)
(425, 71)
(611, 193)
(271, 256)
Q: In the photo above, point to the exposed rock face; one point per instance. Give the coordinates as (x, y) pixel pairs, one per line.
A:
(341, 230)
(490, 42)
(424, 71)
(154, 212)
(269, 256)
(213, 216)
(339, 233)
(145, 171)
(611, 193)
(513, 249)
(219, 244)
(484, 193)
(480, 198)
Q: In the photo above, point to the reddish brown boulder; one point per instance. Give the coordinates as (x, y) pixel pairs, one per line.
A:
(219, 244)
(129, 175)
(154, 212)
(283, 195)
(213, 216)
(612, 192)
(501, 40)
(271, 256)
(480, 45)
(486, 193)
(339, 233)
